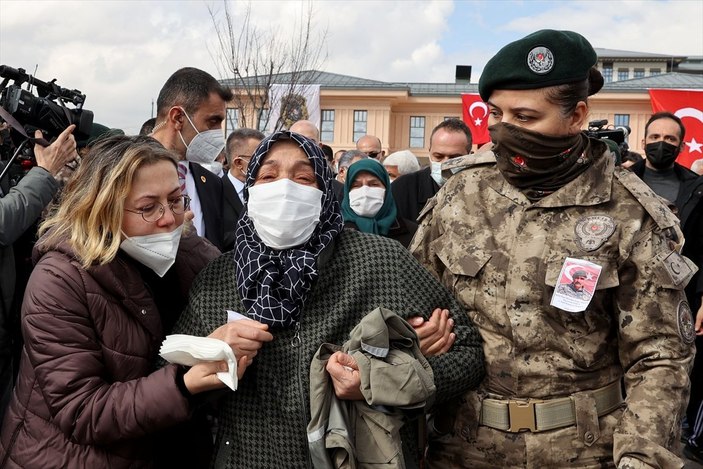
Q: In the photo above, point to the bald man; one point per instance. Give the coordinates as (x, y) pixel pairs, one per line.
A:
(306, 129)
(371, 146)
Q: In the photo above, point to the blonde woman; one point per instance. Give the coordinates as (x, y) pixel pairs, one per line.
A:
(112, 270)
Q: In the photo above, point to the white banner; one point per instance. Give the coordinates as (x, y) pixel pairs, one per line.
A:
(293, 103)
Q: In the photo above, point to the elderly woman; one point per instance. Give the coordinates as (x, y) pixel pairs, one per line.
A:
(112, 271)
(595, 381)
(368, 204)
(400, 163)
(296, 270)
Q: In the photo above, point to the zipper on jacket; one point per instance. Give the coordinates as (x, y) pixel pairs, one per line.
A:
(296, 342)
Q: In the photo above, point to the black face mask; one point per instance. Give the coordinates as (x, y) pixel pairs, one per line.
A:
(661, 155)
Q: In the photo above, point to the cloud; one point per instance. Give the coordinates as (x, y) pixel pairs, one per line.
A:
(120, 53)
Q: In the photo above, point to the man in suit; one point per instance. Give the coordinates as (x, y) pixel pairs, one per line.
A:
(451, 138)
(190, 112)
(240, 146)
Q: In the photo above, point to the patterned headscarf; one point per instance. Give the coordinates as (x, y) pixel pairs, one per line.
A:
(384, 219)
(273, 284)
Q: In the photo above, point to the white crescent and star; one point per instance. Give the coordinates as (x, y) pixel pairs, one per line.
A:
(692, 112)
(479, 120)
(567, 272)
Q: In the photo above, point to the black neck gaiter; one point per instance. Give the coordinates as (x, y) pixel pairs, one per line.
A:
(535, 163)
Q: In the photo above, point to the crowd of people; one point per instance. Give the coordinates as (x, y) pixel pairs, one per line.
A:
(533, 303)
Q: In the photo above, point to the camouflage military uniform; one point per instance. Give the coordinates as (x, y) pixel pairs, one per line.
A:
(501, 256)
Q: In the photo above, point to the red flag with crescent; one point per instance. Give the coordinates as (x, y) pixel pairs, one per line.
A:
(687, 105)
(475, 114)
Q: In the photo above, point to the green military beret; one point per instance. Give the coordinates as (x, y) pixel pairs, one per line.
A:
(579, 273)
(545, 58)
(97, 132)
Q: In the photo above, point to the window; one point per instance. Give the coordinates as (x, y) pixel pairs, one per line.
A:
(446, 118)
(655, 71)
(639, 73)
(608, 72)
(359, 124)
(623, 74)
(263, 119)
(232, 122)
(417, 132)
(621, 120)
(327, 126)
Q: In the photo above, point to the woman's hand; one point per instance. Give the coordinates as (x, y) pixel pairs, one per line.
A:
(245, 336)
(203, 376)
(699, 320)
(436, 336)
(344, 372)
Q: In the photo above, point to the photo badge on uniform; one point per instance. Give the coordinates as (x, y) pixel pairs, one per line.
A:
(576, 284)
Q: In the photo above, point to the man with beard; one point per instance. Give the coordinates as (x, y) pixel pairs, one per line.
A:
(663, 140)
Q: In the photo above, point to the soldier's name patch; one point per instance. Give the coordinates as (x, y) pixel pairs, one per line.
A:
(687, 332)
(575, 285)
(592, 231)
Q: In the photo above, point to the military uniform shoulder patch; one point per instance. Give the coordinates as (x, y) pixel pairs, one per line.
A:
(455, 165)
(592, 231)
(685, 320)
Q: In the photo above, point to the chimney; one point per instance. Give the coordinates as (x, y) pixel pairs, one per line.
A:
(463, 74)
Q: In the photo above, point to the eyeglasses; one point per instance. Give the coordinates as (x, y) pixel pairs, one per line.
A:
(373, 154)
(154, 212)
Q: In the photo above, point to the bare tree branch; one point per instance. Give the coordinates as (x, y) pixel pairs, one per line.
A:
(255, 58)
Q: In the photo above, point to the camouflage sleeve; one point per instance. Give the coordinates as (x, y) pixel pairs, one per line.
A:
(422, 246)
(656, 348)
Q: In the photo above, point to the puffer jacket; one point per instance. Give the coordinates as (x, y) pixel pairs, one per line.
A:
(87, 395)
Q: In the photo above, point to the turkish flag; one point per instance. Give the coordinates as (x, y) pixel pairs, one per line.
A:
(687, 105)
(475, 114)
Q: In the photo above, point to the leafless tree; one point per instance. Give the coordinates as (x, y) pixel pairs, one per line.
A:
(251, 59)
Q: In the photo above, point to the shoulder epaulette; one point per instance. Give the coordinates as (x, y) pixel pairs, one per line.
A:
(482, 157)
(650, 201)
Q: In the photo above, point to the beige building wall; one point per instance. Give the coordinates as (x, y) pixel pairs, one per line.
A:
(389, 113)
(389, 116)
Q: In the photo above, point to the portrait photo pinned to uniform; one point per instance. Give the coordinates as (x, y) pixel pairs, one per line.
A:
(575, 285)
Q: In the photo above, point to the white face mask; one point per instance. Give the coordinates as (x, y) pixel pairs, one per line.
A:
(205, 146)
(284, 213)
(436, 172)
(215, 167)
(158, 252)
(366, 201)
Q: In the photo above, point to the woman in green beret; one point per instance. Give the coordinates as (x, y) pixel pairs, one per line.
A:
(595, 381)
(368, 205)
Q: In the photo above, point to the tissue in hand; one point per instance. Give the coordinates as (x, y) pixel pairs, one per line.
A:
(190, 350)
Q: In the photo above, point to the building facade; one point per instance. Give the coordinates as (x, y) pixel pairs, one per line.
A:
(403, 115)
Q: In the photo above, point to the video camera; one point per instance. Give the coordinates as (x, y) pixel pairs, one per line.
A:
(47, 111)
(599, 129)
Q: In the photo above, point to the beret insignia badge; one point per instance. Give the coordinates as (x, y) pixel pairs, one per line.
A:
(540, 60)
(591, 232)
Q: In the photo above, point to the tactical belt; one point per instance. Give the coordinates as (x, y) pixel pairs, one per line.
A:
(536, 415)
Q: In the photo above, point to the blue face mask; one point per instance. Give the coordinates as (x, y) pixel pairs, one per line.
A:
(436, 172)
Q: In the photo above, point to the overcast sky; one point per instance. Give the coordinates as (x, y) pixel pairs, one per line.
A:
(119, 53)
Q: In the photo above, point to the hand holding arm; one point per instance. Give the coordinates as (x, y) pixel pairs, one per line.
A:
(436, 336)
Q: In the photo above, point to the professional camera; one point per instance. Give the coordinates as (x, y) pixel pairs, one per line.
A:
(600, 129)
(47, 111)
